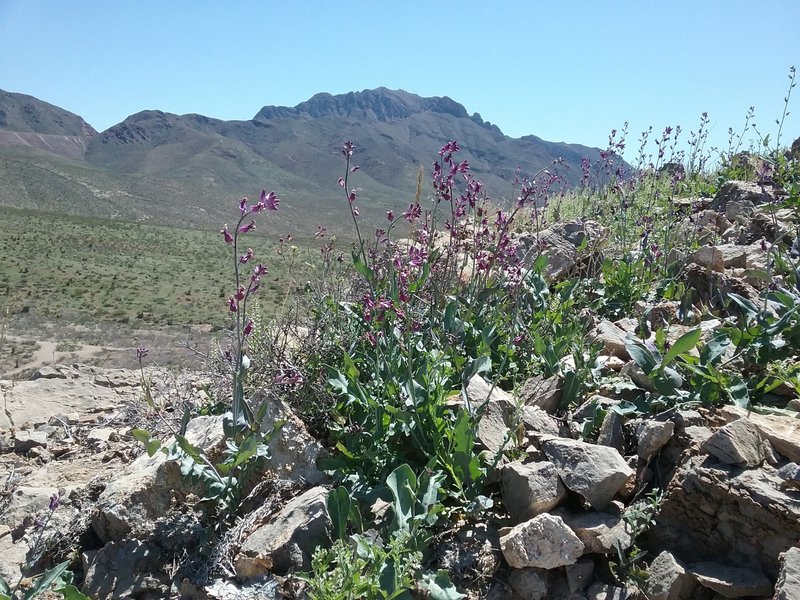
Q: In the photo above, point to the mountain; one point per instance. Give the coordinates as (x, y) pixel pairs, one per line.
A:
(164, 166)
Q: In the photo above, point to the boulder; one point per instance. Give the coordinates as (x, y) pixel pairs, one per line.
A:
(668, 579)
(600, 533)
(652, 437)
(530, 489)
(788, 585)
(731, 582)
(737, 443)
(543, 542)
(529, 583)
(287, 541)
(595, 472)
(711, 509)
(544, 393)
(743, 192)
(125, 569)
(497, 406)
(782, 433)
(613, 339)
(144, 489)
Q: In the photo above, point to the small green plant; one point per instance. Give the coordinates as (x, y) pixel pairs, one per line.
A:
(639, 518)
(58, 578)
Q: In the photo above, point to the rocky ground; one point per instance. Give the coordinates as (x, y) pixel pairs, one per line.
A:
(571, 519)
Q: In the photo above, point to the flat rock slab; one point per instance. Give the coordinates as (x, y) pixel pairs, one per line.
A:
(544, 542)
(595, 472)
(78, 393)
(731, 582)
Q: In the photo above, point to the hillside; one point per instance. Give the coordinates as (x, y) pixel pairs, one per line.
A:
(157, 165)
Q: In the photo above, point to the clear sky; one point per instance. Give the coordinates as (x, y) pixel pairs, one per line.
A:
(565, 70)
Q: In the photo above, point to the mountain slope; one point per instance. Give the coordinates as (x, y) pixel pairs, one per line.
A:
(192, 165)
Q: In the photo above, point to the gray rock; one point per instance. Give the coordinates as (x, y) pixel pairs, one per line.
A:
(668, 579)
(530, 489)
(782, 433)
(544, 542)
(595, 472)
(719, 258)
(126, 569)
(599, 532)
(602, 591)
(498, 406)
(530, 584)
(144, 489)
(788, 585)
(579, 574)
(544, 393)
(731, 582)
(288, 540)
(538, 422)
(712, 509)
(613, 339)
(790, 474)
(737, 443)
(653, 436)
(612, 432)
(751, 194)
(27, 440)
(293, 452)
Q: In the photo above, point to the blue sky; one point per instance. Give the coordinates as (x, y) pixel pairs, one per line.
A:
(565, 71)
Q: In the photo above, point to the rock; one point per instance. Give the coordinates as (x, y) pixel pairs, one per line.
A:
(696, 435)
(531, 489)
(653, 436)
(637, 375)
(737, 443)
(594, 472)
(668, 579)
(560, 244)
(544, 542)
(782, 433)
(293, 452)
(544, 393)
(611, 431)
(788, 585)
(731, 582)
(288, 540)
(497, 406)
(77, 392)
(718, 258)
(538, 422)
(613, 339)
(530, 584)
(579, 574)
(790, 474)
(602, 591)
(750, 194)
(712, 509)
(126, 569)
(599, 532)
(26, 440)
(143, 491)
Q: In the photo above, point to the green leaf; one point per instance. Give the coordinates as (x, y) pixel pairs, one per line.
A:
(682, 345)
(46, 580)
(642, 355)
(403, 484)
(5, 589)
(715, 347)
(70, 592)
(339, 503)
(151, 444)
(439, 586)
(738, 392)
(747, 307)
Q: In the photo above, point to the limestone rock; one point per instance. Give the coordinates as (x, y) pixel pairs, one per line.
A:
(538, 422)
(579, 574)
(790, 474)
(530, 584)
(544, 542)
(26, 440)
(612, 432)
(288, 540)
(530, 489)
(731, 582)
(544, 393)
(602, 591)
(144, 489)
(668, 579)
(653, 436)
(788, 585)
(595, 472)
(739, 191)
(498, 406)
(737, 443)
(712, 509)
(126, 569)
(599, 532)
(613, 339)
(782, 433)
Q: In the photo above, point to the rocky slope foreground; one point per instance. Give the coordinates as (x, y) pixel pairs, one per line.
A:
(727, 527)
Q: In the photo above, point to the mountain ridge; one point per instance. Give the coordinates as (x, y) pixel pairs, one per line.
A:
(294, 150)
